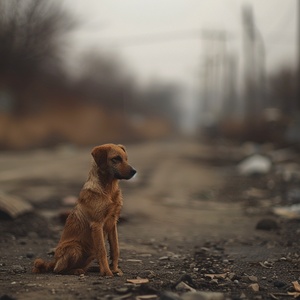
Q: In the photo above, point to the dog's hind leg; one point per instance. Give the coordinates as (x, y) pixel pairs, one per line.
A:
(69, 260)
(81, 270)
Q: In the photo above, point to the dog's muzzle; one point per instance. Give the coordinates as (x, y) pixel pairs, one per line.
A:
(125, 175)
(132, 172)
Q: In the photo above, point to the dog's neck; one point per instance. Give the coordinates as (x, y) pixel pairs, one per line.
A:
(99, 182)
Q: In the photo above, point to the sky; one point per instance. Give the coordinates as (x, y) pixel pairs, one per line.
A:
(164, 38)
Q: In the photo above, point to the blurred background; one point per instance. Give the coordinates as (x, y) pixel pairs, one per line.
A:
(87, 72)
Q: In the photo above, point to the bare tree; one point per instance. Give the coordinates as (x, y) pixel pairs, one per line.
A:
(31, 40)
(31, 34)
(105, 81)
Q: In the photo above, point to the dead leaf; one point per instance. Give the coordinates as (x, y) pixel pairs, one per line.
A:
(296, 286)
(263, 265)
(273, 296)
(146, 297)
(294, 294)
(138, 280)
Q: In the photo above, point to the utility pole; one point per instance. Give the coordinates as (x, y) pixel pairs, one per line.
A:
(249, 57)
(298, 71)
(254, 55)
(214, 74)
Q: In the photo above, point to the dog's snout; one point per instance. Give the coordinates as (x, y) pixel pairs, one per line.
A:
(132, 172)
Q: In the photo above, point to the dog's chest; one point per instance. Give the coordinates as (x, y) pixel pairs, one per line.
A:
(115, 206)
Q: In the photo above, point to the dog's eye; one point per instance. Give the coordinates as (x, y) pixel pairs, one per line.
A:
(116, 159)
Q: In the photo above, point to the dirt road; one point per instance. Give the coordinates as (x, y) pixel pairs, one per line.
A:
(164, 197)
(173, 209)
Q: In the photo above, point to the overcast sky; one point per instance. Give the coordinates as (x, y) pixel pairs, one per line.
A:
(118, 26)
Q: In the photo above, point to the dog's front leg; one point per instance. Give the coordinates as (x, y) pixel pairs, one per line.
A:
(114, 249)
(100, 251)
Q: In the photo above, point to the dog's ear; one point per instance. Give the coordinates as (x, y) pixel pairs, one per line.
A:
(100, 155)
(122, 147)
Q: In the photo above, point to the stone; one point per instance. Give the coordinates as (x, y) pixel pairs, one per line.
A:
(182, 286)
(30, 255)
(169, 296)
(254, 287)
(252, 278)
(267, 224)
(255, 164)
(17, 269)
(203, 296)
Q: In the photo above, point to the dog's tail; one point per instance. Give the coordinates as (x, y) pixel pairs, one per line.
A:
(41, 266)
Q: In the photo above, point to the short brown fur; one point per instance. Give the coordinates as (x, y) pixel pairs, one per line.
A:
(94, 218)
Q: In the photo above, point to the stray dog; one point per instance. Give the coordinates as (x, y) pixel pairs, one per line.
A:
(94, 218)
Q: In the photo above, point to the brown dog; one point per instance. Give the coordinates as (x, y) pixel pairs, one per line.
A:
(94, 218)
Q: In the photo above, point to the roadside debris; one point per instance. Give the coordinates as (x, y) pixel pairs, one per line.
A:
(288, 212)
(254, 287)
(296, 293)
(13, 206)
(138, 280)
(267, 224)
(183, 287)
(256, 164)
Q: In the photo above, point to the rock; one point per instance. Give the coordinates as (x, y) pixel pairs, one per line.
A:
(183, 287)
(146, 297)
(203, 296)
(267, 224)
(17, 269)
(13, 206)
(232, 276)
(288, 212)
(252, 278)
(122, 290)
(255, 165)
(163, 258)
(134, 260)
(214, 281)
(30, 255)
(187, 279)
(138, 280)
(254, 287)
(148, 274)
(169, 296)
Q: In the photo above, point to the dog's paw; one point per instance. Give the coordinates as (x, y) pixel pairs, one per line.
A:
(39, 266)
(106, 273)
(118, 272)
(78, 272)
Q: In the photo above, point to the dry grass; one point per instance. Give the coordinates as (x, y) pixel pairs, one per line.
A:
(80, 125)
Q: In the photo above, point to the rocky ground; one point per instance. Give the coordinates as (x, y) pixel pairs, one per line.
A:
(195, 224)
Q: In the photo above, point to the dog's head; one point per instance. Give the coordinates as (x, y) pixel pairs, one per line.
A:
(112, 161)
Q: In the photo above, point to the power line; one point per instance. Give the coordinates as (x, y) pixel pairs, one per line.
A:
(183, 35)
(163, 37)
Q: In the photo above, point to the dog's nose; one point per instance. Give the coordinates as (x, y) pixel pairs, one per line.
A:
(132, 172)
